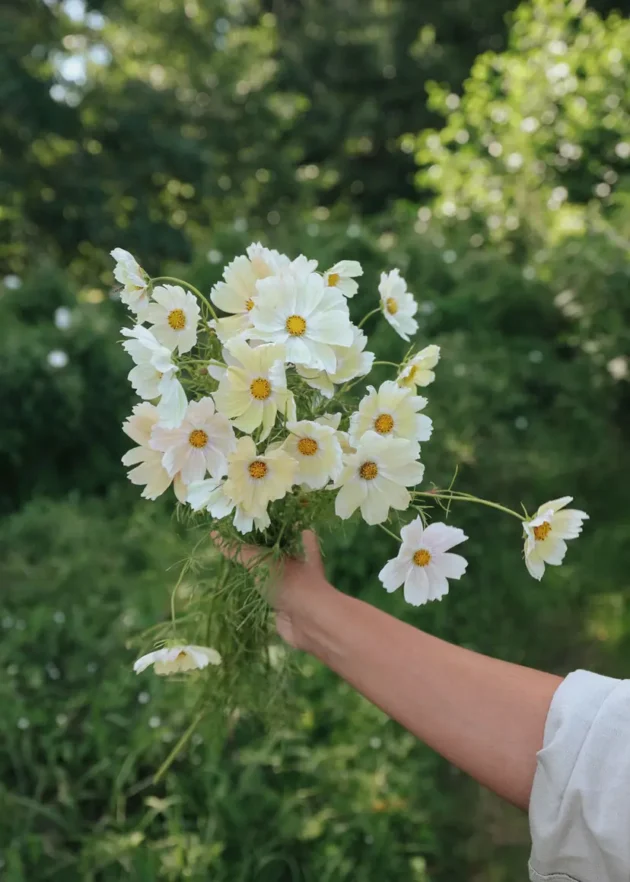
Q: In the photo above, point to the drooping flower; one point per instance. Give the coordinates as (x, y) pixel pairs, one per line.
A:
(178, 659)
(392, 411)
(149, 471)
(174, 316)
(342, 276)
(376, 476)
(210, 496)
(305, 315)
(256, 479)
(317, 451)
(399, 306)
(419, 370)
(201, 443)
(155, 375)
(134, 281)
(253, 387)
(424, 563)
(352, 362)
(546, 534)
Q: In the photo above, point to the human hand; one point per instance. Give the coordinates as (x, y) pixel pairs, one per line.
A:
(292, 583)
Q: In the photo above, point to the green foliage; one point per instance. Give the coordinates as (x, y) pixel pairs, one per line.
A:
(60, 425)
(536, 157)
(211, 125)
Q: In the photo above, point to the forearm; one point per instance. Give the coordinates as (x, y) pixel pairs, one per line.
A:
(484, 715)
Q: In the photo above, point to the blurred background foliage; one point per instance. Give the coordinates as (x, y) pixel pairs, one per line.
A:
(482, 148)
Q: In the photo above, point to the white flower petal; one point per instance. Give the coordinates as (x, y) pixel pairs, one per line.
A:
(349, 498)
(442, 537)
(394, 573)
(535, 565)
(438, 584)
(417, 589)
(552, 550)
(172, 406)
(452, 566)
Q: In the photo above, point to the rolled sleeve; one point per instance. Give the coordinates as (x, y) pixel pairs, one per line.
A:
(579, 811)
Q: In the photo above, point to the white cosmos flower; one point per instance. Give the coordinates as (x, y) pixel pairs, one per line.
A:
(149, 471)
(134, 281)
(399, 306)
(342, 275)
(256, 479)
(546, 534)
(201, 443)
(305, 315)
(154, 375)
(391, 411)
(178, 659)
(424, 562)
(419, 370)
(317, 451)
(210, 496)
(352, 362)
(174, 316)
(376, 476)
(237, 292)
(253, 387)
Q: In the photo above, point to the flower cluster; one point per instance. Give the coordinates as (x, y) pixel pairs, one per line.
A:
(246, 410)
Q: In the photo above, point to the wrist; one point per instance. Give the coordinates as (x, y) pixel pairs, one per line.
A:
(313, 614)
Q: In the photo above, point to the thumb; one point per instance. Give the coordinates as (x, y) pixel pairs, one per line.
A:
(311, 548)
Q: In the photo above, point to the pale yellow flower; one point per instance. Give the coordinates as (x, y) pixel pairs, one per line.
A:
(399, 306)
(546, 534)
(178, 660)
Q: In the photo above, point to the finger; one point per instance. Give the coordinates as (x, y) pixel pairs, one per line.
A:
(247, 555)
(311, 548)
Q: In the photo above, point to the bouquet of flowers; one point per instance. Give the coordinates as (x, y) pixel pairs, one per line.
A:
(249, 410)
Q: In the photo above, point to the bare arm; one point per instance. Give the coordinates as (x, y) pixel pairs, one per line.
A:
(484, 715)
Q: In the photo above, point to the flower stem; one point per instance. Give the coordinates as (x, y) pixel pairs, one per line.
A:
(368, 315)
(389, 533)
(177, 749)
(467, 497)
(388, 363)
(184, 284)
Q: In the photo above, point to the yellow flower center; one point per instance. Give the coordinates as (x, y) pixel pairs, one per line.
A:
(384, 424)
(368, 471)
(307, 446)
(542, 531)
(260, 388)
(181, 655)
(333, 278)
(198, 438)
(296, 326)
(391, 306)
(422, 557)
(411, 373)
(177, 319)
(258, 469)
(249, 304)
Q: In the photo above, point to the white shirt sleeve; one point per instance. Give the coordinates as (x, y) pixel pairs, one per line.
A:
(579, 811)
